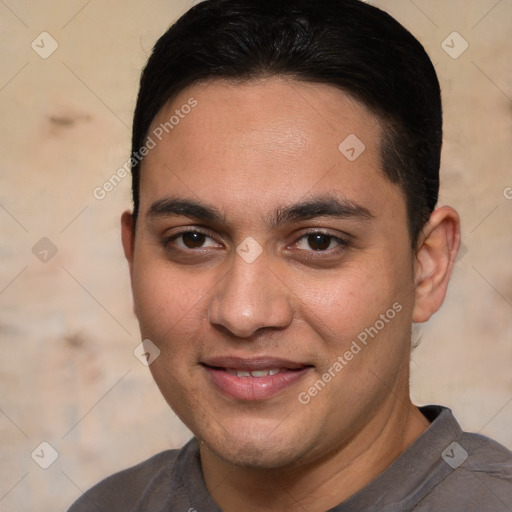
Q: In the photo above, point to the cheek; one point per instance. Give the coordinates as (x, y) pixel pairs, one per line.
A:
(361, 324)
(356, 296)
(164, 298)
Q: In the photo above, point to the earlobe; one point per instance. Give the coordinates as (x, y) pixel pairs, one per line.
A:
(435, 256)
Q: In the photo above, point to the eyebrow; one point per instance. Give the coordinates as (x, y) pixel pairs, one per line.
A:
(168, 207)
(324, 206)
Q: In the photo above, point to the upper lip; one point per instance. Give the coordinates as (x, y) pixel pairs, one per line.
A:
(253, 363)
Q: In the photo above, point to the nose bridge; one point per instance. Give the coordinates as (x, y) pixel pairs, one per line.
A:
(249, 298)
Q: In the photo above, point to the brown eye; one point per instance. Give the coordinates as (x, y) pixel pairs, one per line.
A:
(319, 241)
(193, 239)
(190, 240)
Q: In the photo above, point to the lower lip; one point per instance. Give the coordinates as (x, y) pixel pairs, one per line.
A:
(254, 388)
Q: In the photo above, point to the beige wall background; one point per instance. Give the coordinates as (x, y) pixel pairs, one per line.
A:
(68, 375)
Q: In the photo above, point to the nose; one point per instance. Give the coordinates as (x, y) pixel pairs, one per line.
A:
(250, 298)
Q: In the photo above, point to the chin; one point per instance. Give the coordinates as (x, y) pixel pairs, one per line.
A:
(254, 456)
(256, 446)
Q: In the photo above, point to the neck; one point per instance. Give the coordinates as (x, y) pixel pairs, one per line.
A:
(323, 483)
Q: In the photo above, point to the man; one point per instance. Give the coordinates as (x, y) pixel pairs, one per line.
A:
(284, 238)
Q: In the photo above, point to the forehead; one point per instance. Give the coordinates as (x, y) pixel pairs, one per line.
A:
(277, 139)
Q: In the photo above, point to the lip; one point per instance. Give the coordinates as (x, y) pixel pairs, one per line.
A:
(254, 388)
(253, 363)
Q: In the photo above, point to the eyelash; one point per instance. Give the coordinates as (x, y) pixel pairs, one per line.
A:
(343, 243)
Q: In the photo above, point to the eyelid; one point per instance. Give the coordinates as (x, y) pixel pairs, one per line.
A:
(325, 231)
(187, 229)
(343, 241)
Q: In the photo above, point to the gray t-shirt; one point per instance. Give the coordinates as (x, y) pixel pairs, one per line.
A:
(444, 470)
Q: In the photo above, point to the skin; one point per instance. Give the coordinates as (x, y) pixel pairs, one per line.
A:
(247, 150)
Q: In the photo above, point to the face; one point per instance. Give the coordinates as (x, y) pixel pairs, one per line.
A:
(272, 268)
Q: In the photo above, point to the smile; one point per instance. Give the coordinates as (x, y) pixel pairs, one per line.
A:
(253, 379)
(254, 373)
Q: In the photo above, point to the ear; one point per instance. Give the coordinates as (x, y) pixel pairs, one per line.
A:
(437, 248)
(128, 238)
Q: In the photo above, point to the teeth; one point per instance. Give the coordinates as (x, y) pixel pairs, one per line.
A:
(254, 373)
(260, 373)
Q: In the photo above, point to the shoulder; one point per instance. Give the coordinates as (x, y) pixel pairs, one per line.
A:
(478, 476)
(488, 462)
(486, 453)
(130, 489)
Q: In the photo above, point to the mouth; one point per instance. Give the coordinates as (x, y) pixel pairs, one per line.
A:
(254, 373)
(250, 379)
